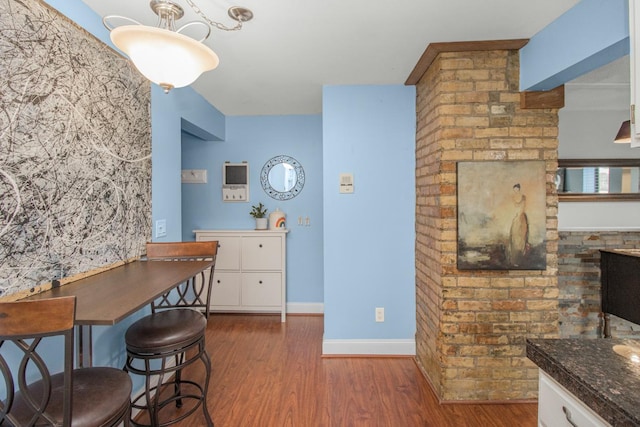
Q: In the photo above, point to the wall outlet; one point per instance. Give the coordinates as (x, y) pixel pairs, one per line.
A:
(161, 228)
(379, 314)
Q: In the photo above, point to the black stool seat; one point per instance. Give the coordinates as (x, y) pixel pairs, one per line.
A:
(161, 345)
(179, 335)
(165, 330)
(100, 397)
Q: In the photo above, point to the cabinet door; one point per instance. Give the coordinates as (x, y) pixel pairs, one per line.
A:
(261, 289)
(262, 253)
(228, 257)
(225, 289)
(557, 407)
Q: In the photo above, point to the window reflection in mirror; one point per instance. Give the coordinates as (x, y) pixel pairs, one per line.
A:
(282, 177)
(616, 179)
(602, 180)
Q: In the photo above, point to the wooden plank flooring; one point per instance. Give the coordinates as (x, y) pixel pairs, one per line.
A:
(271, 374)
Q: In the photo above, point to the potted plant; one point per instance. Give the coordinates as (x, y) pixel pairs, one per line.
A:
(259, 212)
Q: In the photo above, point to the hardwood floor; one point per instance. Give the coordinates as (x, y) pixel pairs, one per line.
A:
(271, 374)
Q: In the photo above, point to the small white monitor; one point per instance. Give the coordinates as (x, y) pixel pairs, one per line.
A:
(235, 182)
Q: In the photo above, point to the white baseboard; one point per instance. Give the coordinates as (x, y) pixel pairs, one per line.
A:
(305, 308)
(370, 347)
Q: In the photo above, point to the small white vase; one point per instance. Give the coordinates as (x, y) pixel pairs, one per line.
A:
(261, 223)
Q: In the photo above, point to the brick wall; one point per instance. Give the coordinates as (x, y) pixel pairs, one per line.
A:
(472, 325)
(579, 282)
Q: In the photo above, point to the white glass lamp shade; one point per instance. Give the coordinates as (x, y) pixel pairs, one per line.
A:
(165, 57)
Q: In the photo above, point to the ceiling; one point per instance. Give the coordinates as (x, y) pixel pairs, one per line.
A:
(278, 63)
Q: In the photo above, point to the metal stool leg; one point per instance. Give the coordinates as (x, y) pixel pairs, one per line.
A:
(207, 366)
(154, 398)
(177, 389)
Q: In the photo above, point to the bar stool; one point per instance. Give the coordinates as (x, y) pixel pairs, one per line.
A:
(172, 337)
(85, 397)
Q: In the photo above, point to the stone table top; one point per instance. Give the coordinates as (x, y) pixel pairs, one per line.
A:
(603, 379)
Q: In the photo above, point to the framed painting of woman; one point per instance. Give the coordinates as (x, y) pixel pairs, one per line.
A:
(501, 215)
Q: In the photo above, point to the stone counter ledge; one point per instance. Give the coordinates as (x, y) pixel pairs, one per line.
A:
(603, 380)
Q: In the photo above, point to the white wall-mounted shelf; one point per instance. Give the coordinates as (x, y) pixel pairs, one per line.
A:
(193, 176)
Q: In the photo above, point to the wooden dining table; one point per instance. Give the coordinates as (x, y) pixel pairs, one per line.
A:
(108, 297)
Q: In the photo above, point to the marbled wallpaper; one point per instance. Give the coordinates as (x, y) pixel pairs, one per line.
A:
(75, 150)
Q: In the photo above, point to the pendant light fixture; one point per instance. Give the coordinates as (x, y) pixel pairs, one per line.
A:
(624, 134)
(163, 54)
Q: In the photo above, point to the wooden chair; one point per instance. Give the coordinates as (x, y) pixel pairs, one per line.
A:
(97, 396)
(194, 293)
(172, 337)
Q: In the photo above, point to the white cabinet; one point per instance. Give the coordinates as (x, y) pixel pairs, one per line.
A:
(634, 65)
(557, 407)
(250, 273)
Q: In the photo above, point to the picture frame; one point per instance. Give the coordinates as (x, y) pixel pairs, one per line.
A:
(501, 215)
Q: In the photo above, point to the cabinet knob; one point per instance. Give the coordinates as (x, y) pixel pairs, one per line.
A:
(218, 281)
(260, 245)
(260, 281)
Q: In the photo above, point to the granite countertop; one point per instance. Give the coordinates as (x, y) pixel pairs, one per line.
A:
(592, 371)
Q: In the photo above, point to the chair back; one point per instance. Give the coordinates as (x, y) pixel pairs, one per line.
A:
(195, 292)
(23, 324)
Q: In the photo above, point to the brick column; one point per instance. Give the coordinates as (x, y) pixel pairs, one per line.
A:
(472, 325)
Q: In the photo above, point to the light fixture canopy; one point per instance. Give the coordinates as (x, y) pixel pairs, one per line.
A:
(163, 54)
(624, 134)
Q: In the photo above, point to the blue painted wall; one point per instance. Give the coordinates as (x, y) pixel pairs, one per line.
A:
(369, 235)
(587, 36)
(170, 114)
(256, 139)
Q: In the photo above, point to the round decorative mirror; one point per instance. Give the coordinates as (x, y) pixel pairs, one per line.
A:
(282, 177)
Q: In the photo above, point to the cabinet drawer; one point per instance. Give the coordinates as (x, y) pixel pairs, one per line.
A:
(261, 253)
(556, 406)
(225, 289)
(228, 257)
(261, 289)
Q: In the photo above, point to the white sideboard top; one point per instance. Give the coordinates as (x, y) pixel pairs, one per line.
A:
(250, 232)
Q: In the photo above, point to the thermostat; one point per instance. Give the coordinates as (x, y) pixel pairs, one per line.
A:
(346, 183)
